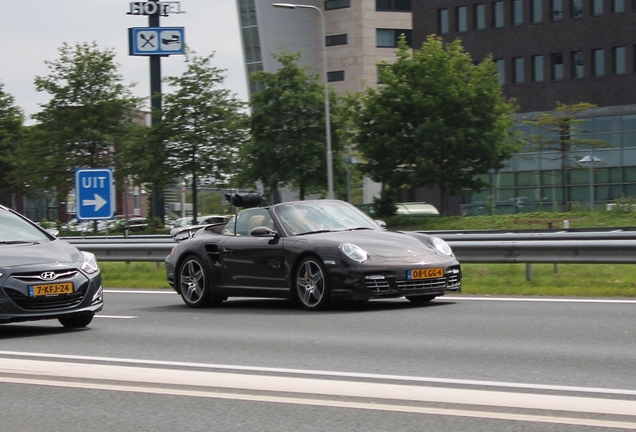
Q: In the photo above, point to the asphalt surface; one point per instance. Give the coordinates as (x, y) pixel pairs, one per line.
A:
(147, 362)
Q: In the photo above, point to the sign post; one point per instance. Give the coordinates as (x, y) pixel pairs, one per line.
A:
(156, 42)
(94, 194)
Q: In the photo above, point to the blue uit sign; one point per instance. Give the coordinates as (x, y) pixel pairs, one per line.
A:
(162, 41)
(94, 193)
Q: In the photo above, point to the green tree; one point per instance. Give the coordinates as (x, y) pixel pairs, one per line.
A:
(288, 131)
(85, 124)
(560, 132)
(11, 120)
(203, 126)
(437, 119)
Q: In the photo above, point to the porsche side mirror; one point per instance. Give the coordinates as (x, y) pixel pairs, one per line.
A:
(381, 223)
(263, 232)
(53, 232)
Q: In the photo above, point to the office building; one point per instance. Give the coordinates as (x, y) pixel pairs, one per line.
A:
(550, 51)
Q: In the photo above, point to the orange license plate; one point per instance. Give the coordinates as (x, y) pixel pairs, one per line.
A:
(429, 273)
(50, 289)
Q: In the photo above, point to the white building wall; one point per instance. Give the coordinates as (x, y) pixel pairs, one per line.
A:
(299, 30)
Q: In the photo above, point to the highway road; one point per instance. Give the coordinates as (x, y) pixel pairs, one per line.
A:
(460, 363)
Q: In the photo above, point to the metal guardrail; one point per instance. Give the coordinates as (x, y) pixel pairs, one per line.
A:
(578, 249)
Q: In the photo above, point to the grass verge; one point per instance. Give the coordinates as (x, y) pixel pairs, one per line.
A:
(579, 280)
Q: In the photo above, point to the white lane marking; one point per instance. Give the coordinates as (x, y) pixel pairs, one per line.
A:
(115, 316)
(312, 386)
(496, 384)
(331, 403)
(447, 297)
(133, 291)
(537, 299)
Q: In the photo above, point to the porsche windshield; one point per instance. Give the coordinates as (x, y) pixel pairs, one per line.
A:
(322, 216)
(14, 229)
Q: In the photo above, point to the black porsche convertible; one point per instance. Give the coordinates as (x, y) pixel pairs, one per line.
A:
(315, 251)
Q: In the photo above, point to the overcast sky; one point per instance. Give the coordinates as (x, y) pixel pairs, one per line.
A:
(33, 30)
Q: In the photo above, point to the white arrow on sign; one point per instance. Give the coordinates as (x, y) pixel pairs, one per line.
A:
(98, 202)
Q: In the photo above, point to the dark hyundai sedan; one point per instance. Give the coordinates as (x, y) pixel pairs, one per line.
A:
(313, 251)
(42, 277)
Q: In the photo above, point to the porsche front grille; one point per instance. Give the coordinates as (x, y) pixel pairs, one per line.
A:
(376, 285)
(379, 283)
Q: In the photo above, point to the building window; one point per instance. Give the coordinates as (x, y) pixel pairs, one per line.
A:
(598, 58)
(498, 14)
(442, 21)
(537, 11)
(619, 60)
(618, 6)
(247, 13)
(340, 39)
(597, 7)
(557, 10)
(388, 38)
(517, 74)
(557, 66)
(480, 16)
(577, 64)
(461, 23)
(537, 68)
(336, 76)
(576, 8)
(393, 5)
(501, 71)
(337, 4)
(252, 45)
(517, 12)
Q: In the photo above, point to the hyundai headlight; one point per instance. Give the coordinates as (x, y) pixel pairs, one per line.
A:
(90, 263)
(354, 252)
(442, 246)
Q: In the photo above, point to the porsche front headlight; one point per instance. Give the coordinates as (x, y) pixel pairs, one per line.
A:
(442, 246)
(354, 252)
(90, 263)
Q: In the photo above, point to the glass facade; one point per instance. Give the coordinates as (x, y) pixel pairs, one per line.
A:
(533, 180)
(251, 40)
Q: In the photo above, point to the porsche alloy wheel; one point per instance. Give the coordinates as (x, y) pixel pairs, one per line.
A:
(311, 284)
(193, 284)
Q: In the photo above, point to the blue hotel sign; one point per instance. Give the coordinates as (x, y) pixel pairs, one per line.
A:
(161, 41)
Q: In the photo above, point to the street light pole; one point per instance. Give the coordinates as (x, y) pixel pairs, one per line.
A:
(330, 193)
(591, 159)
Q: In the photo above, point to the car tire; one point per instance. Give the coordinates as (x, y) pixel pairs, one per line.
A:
(193, 284)
(310, 284)
(420, 298)
(76, 321)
